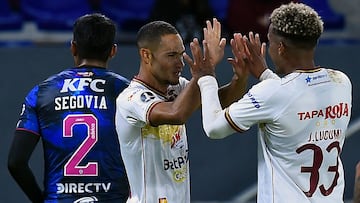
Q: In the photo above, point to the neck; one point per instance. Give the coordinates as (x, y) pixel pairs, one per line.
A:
(153, 82)
(299, 64)
(91, 62)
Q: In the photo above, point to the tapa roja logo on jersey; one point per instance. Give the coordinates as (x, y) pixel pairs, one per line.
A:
(330, 112)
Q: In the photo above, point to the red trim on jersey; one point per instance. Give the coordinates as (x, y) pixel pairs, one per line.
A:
(316, 69)
(149, 111)
(231, 122)
(136, 79)
(30, 131)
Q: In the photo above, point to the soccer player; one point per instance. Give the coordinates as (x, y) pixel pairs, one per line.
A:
(150, 121)
(73, 113)
(302, 116)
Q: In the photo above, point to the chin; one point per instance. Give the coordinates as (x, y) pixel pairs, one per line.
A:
(174, 82)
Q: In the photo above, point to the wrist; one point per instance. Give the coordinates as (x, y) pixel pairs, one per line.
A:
(206, 80)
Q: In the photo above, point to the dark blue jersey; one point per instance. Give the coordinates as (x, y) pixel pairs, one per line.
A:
(73, 112)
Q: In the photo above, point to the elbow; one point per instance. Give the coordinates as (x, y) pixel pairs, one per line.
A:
(182, 119)
(12, 166)
(179, 118)
(214, 136)
(15, 166)
(218, 129)
(213, 133)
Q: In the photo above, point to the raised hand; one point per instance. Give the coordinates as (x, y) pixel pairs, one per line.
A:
(255, 40)
(200, 63)
(216, 44)
(240, 53)
(257, 53)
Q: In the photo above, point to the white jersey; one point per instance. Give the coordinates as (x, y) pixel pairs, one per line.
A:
(156, 158)
(302, 121)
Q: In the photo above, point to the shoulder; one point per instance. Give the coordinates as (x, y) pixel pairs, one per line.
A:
(118, 76)
(267, 86)
(267, 92)
(136, 93)
(338, 76)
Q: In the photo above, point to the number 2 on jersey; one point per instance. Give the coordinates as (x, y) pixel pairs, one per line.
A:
(72, 167)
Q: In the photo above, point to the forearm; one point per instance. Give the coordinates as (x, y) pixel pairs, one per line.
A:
(178, 111)
(214, 122)
(189, 100)
(20, 151)
(233, 91)
(27, 182)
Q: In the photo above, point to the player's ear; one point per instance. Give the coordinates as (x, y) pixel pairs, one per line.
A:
(113, 51)
(146, 55)
(73, 48)
(281, 48)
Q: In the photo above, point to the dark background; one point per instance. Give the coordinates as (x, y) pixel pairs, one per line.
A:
(220, 169)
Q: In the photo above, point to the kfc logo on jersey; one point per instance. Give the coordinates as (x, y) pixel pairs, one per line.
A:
(147, 96)
(332, 112)
(79, 84)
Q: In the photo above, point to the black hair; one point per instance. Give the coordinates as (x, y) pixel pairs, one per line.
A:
(94, 36)
(150, 34)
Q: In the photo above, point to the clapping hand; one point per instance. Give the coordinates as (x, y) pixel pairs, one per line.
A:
(249, 55)
(216, 44)
(200, 63)
(258, 52)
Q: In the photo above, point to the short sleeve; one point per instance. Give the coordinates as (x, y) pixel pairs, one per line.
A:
(135, 104)
(28, 119)
(256, 106)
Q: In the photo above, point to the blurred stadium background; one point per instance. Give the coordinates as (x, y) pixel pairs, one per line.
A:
(34, 43)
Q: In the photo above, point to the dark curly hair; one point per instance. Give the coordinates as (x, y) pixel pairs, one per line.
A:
(297, 22)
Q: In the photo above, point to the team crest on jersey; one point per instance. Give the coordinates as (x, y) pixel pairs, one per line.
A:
(147, 96)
